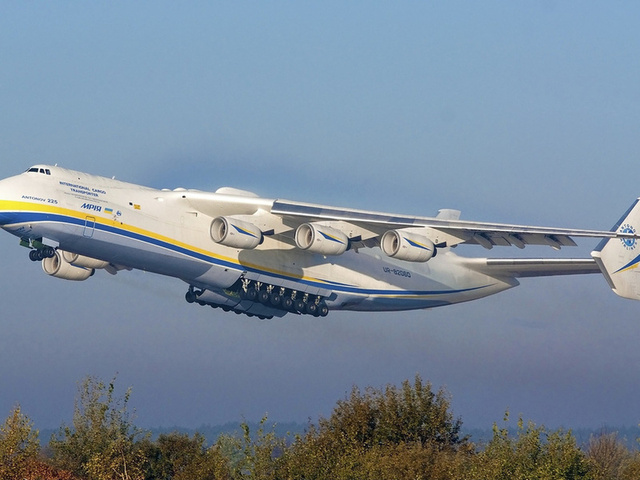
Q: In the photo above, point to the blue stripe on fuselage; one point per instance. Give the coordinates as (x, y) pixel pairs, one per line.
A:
(14, 218)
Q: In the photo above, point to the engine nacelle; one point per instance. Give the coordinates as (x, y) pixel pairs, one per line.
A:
(235, 233)
(407, 246)
(82, 261)
(58, 267)
(319, 238)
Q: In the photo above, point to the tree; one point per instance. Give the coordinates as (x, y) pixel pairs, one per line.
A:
(606, 454)
(406, 432)
(176, 456)
(103, 442)
(535, 452)
(19, 445)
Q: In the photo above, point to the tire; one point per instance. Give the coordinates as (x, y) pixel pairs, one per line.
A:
(275, 299)
(299, 305)
(311, 309)
(323, 310)
(263, 296)
(287, 303)
(251, 294)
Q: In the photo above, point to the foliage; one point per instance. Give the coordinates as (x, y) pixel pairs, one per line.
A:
(391, 433)
(176, 456)
(534, 453)
(19, 444)
(610, 459)
(606, 455)
(103, 442)
(405, 432)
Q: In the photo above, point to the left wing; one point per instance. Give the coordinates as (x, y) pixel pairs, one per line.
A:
(361, 228)
(242, 220)
(442, 231)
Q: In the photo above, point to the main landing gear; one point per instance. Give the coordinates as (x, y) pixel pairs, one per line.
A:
(283, 298)
(271, 296)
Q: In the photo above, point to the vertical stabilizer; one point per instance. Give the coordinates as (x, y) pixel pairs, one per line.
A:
(619, 258)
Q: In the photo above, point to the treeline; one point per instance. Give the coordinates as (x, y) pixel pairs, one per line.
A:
(405, 432)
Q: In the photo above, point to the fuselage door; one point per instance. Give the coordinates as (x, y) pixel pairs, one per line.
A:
(89, 226)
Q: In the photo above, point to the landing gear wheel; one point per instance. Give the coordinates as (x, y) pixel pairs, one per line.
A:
(34, 256)
(190, 296)
(275, 299)
(251, 294)
(311, 309)
(323, 310)
(263, 296)
(48, 252)
(299, 305)
(287, 303)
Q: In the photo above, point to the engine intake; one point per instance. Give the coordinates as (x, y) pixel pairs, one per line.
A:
(319, 238)
(407, 246)
(235, 233)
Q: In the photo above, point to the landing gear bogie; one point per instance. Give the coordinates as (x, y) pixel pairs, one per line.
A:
(272, 296)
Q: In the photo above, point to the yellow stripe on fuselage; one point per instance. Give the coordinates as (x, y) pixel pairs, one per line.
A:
(13, 206)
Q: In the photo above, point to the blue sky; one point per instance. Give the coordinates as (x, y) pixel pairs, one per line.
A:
(509, 111)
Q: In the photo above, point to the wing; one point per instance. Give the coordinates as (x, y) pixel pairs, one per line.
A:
(361, 228)
(442, 231)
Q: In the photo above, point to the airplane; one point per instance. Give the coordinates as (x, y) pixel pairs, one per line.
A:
(269, 257)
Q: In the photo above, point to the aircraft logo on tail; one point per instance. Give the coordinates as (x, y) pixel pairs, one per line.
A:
(629, 243)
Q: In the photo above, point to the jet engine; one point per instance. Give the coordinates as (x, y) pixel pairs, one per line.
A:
(319, 238)
(407, 246)
(235, 233)
(58, 267)
(82, 261)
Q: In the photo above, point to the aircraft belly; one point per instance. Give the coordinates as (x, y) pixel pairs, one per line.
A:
(386, 284)
(138, 253)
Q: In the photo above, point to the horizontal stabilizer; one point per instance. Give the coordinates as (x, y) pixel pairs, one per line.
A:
(533, 267)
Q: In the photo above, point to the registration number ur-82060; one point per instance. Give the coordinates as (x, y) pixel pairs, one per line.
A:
(396, 271)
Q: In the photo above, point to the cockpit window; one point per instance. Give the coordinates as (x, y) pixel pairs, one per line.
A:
(44, 171)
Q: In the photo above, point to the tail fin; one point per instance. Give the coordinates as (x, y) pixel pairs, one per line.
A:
(619, 258)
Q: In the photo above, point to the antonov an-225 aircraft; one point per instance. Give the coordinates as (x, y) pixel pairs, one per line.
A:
(265, 257)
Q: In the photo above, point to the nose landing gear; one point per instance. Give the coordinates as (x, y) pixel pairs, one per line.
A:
(39, 254)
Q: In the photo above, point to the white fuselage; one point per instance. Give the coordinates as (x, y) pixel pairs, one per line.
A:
(161, 231)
